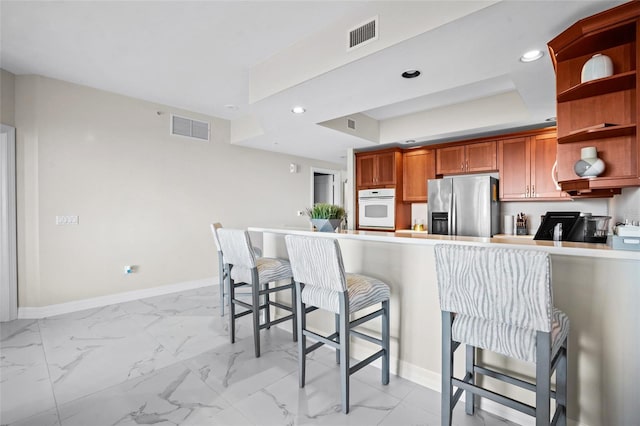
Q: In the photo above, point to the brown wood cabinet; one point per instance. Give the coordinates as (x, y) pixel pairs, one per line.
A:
(527, 168)
(603, 112)
(376, 169)
(470, 158)
(418, 165)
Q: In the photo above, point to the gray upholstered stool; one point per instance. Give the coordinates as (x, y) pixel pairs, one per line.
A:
(222, 271)
(321, 282)
(245, 269)
(501, 300)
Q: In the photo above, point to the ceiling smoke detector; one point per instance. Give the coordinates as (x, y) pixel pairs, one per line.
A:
(298, 110)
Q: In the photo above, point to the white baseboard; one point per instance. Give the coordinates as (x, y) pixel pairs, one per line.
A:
(98, 302)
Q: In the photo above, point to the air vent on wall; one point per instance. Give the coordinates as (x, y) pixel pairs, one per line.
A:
(351, 123)
(182, 126)
(363, 34)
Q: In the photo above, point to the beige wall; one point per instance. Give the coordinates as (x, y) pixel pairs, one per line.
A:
(143, 197)
(7, 98)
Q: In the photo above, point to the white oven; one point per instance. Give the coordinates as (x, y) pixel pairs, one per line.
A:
(377, 208)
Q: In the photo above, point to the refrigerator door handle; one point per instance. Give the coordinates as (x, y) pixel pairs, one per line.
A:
(450, 216)
(454, 216)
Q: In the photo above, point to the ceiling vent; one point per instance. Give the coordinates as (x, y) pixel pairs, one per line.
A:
(351, 123)
(363, 34)
(182, 126)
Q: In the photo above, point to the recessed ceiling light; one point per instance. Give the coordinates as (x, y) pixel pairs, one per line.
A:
(410, 73)
(298, 110)
(532, 55)
(231, 107)
(410, 141)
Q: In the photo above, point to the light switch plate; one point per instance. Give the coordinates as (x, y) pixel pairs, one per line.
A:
(67, 220)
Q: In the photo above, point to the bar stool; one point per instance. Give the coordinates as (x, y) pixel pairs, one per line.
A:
(501, 300)
(245, 269)
(222, 271)
(321, 282)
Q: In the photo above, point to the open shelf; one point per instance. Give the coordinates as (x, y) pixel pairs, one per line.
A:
(599, 133)
(601, 86)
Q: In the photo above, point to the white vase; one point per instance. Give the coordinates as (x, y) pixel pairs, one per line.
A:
(589, 165)
(598, 66)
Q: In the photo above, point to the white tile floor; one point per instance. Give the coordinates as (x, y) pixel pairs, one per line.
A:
(167, 360)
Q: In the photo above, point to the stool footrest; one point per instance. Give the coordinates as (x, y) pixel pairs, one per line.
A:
(241, 314)
(501, 399)
(322, 339)
(559, 414)
(274, 289)
(366, 361)
(276, 321)
(508, 379)
(243, 304)
(318, 344)
(366, 337)
(281, 306)
(365, 318)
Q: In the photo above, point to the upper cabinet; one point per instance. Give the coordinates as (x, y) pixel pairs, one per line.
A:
(471, 158)
(418, 165)
(527, 166)
(603, 112)
(378, 169)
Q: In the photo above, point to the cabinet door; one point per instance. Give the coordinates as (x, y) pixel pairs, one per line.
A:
(417, 167)
(543, 158)
(450, 160)
(365, 170)
(481, 157)
(386, 169)
(513, 164)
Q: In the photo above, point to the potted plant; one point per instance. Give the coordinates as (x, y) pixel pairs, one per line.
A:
(326, 217)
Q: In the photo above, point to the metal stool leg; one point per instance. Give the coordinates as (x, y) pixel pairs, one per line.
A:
(222, 275)
(255, 296)
(338, 338)
(267, 310)
(447, 368)
(232, 307)
(344, 354)
(470, 396)
(302, 340)
(561, 384)
(385, 342)
(294, 311)
(543, 377)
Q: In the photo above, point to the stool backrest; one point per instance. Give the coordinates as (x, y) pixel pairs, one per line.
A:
(214, 231)
(316, 261)
(237, 248)
(502, 285)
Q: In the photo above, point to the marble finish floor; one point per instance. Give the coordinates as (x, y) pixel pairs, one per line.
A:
(167, 360)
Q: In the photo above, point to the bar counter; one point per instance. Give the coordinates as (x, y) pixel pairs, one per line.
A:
(596, 286)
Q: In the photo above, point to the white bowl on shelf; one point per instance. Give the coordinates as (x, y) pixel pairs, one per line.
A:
(599, 66)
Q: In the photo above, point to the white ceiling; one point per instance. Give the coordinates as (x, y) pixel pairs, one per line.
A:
(202, 56)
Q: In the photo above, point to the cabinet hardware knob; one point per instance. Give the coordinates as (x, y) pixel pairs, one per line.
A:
(533, 190)
(526, 191)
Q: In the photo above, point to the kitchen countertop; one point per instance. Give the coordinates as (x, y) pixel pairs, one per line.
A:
(508, 241)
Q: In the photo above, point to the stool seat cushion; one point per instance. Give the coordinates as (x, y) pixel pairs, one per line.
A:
(363, 291)
(509, 340)
(269, 269)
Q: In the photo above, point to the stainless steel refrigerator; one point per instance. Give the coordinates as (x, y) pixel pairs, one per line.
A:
(465, 205)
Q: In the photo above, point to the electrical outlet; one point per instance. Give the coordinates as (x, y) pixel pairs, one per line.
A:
(300, 213)
(128, 269)
(67, 220)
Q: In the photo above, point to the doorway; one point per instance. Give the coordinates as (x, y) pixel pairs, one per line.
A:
(326, 186)
(8, 255)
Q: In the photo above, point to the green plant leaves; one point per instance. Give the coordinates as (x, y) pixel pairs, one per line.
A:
(326, 211)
